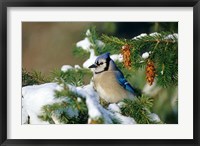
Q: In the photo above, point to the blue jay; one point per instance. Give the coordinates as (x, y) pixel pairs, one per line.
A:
(109, 82)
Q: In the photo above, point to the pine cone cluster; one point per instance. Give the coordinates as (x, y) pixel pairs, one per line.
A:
(126, 53)
(150, 72)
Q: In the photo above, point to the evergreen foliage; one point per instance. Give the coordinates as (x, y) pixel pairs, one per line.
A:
(72, 109)
(77, 52)
(76, 77)
(33, 78)
(139, 109)
(157, 45)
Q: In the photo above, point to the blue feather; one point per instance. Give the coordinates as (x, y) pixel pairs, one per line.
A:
(123, 82)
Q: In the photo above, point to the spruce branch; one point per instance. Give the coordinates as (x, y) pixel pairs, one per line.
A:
(33, 78)
(162, 49)
(139, 109)
(113, 40)
(72, 109)
(76, 77)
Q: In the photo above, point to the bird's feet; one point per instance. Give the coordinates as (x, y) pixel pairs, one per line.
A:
(103, 102)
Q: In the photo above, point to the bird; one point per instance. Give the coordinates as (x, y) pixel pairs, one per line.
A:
(109, 81)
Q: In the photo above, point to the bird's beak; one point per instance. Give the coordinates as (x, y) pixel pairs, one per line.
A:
(92, 66)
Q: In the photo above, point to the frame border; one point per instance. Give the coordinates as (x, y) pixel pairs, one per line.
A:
(97, 3)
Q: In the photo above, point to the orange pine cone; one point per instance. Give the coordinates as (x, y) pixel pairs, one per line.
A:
(126, 53)
(150, 72)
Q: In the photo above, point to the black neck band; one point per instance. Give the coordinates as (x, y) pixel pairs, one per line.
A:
(107, 64)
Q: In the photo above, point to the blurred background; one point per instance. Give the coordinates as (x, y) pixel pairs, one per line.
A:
(49, 45)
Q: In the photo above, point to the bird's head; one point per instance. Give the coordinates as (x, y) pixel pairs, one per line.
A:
(102, 63)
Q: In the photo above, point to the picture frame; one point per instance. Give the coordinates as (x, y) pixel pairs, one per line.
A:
(4, 141)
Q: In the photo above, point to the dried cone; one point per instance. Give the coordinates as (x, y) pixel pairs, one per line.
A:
(126, 53)
(150, 72)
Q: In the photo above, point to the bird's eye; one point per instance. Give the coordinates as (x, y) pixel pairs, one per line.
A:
(101, 63)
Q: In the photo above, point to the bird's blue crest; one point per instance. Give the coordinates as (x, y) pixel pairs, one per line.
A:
(103, 56)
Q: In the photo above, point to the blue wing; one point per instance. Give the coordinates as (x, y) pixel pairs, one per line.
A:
(123, 82)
